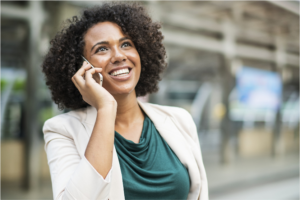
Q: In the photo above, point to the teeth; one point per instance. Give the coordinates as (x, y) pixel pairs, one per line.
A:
(121, 71)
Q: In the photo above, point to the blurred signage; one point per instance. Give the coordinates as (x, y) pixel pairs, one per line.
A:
(258, 95)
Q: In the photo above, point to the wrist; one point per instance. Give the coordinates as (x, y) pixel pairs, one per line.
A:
(110, 106)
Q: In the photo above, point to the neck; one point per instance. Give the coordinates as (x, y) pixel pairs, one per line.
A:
(128, 110)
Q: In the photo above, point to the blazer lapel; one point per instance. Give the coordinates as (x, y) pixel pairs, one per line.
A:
(172, 135)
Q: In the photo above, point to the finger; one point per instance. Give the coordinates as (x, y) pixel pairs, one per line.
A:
(93, 75)
(85, 66)
(94, 70)
(89, 74)
(79, 75)
(97, 76)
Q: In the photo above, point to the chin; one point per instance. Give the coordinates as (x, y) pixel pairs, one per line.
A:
(123, 91)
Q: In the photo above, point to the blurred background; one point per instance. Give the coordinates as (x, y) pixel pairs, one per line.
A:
(234, 65)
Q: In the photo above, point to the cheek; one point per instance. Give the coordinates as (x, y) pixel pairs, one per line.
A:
(134, 56)
(138, 67)
(102, 62)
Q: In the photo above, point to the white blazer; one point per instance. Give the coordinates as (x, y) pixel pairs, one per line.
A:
(73, 177)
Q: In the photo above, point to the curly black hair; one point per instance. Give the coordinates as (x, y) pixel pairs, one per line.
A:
(64, 57)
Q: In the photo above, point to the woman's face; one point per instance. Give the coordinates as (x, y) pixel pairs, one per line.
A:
(108, 48)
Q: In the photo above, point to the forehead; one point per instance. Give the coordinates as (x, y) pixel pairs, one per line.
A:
(103, 31)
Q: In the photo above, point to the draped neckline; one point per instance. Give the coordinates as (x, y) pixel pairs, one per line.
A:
(143, 142)
(150, 169)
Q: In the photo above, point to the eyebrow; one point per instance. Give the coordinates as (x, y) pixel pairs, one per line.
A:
(106, 42)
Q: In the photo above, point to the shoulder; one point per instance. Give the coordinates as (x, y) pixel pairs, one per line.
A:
(62, 122)
(180, 116)
(171, 111)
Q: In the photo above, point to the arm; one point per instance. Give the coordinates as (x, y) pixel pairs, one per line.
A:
(73, 176)
(99, 151)
(100, 147)
(194, 134)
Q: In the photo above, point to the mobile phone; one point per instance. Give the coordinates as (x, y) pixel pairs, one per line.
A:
(101, 77)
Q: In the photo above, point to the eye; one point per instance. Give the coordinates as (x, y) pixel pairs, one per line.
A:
(101, 49)
(126, 44)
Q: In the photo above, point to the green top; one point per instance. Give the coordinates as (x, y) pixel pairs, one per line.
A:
(150, 169)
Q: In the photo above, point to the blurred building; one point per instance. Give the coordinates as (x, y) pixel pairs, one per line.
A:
(210, 47)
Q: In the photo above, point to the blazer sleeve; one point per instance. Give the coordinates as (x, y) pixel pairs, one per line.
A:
(73, 177)
(194, 133)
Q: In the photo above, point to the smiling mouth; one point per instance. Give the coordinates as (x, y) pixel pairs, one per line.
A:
(120, 72)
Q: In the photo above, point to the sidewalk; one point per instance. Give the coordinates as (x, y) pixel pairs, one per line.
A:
(247, 173)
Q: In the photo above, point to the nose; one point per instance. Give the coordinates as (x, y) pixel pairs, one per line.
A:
(118, 56)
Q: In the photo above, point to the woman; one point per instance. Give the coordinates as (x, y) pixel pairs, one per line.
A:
(112, 146)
